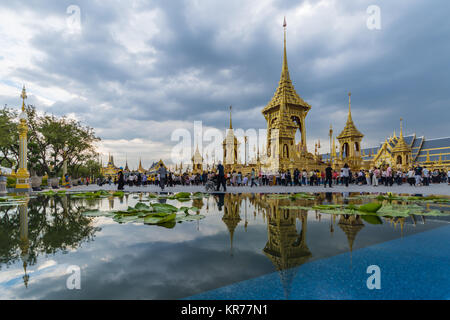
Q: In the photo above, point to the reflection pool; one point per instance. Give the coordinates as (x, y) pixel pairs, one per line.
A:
(225, 245)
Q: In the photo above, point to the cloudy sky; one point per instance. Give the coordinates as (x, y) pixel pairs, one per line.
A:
(137, 70)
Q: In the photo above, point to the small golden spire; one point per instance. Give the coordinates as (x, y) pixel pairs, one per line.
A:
(231, 122)
(23, 96)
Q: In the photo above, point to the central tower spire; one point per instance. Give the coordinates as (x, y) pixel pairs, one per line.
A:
(350, 107)
(285, 69)
(285, 115)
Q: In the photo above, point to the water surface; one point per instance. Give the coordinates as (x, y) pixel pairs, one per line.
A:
(242, 236)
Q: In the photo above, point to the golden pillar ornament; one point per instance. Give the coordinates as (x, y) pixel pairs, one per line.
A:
(22, 175)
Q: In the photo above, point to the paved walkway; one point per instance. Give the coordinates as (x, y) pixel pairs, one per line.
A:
(436, 189)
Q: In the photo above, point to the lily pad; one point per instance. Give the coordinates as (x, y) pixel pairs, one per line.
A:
(182, 195)
(372, 219)
(370, 207)
(164, 207)
(160, 220)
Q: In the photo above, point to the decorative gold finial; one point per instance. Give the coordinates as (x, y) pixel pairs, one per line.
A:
(401, 127)
(349, 99)
(231, 122)
(23, 96)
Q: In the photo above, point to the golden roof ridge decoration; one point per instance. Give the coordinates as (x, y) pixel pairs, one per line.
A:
(285, 93)
(350, 129)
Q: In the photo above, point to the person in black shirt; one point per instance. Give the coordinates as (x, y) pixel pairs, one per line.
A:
(120, 180)
(221, 177)
(328, 176)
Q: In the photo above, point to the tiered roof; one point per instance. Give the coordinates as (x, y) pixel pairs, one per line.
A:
(350, 129)
(285, 93)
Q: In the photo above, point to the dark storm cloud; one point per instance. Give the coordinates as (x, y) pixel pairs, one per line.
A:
(196, 69)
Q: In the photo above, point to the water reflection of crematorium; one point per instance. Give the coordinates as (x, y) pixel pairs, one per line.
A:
(231, 216)
(286, 247)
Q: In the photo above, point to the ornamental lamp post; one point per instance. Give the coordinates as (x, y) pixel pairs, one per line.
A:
(245, 146)
(23, 176)
(64, 182)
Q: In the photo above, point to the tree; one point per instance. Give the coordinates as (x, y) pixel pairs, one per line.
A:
(51, 141)
(55, 140)
(8, 137)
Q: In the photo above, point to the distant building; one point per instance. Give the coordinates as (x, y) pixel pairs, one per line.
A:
(110, 170)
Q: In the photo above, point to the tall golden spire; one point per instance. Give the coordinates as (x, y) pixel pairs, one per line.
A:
(285, 69)
(231, 121)
(349, 107)
(285, 93)
(23, 96)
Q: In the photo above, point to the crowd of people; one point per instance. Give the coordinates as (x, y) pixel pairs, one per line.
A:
(387, 176)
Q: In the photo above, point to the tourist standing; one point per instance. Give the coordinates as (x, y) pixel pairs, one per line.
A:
(375, 177)
(418, 175)
(120, 180)
(410, 175)
(345, 173)
(252, 177)
(162, 172)
(426, 176)
(369, 175)
(328, 176)
(221, 177)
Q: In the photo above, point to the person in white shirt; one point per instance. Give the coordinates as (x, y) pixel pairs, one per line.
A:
(448, 177)
(345, 173)
(426, 176)
(411, 177)
(375, 177)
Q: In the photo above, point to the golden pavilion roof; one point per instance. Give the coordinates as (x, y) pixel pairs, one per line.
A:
(285, 93)
(350, 129)
(401, 145)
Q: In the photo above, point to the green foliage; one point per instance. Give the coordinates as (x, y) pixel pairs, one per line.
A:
(9, 136)
(10, 182)
(51, 140)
